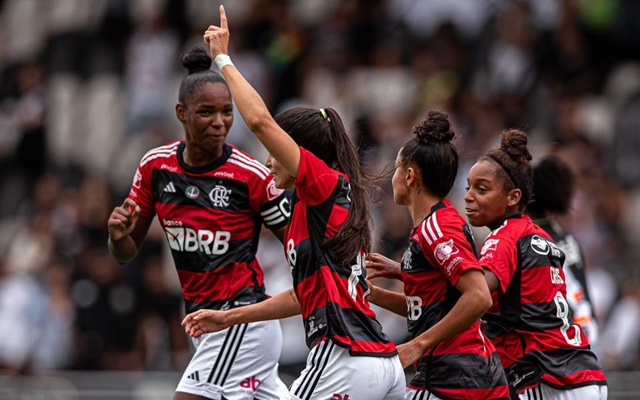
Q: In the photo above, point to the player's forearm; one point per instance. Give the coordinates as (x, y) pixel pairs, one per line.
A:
(465, 312)
(281, 306)
(123, 250)
(259, 120)
(389, 300)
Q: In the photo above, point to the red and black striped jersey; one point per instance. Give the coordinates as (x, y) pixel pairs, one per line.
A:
(332, 296)
(574, 270)
(212, 217)
(441, 249)
(530, 321)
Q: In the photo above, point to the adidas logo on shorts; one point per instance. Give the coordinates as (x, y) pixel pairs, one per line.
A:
(195, 376)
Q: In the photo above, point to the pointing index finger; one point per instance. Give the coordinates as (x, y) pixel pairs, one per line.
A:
(223, 19)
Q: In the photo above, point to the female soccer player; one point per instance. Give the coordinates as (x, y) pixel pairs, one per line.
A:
(328, 235)
(445, 292)
(554, 182)
(211, 200)
(543, 352)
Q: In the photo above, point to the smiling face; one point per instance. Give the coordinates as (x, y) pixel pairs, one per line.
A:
(486, 201)
(282, 179)
(207, 118)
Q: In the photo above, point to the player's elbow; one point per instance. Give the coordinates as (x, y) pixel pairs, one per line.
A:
(482, 299)
(259, 121)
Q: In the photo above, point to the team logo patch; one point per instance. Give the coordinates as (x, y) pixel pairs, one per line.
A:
(489, 245)
(219, 195)
(445, 250)
(273, 191)
(406, 260)
(192, 192)
(540, 245)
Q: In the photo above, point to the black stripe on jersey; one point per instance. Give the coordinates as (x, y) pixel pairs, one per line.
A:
(429, 317)
(244, 297)
(563, 362)
(213, 192)
(360, 327)
(533, 256)
(227, 355)
(318, 364)
(530, 315)
(464, 371)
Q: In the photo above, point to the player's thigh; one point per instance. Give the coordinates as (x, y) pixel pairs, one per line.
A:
(234, 362)
(332, 374)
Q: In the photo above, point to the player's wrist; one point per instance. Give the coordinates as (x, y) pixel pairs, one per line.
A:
(114, 240)
(221, 60)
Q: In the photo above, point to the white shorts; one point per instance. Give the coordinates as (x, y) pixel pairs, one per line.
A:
(238, 363)
(544, 392)
(333, 374)
(414, 394)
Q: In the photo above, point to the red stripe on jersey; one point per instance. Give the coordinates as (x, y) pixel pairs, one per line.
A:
(532, 292)
(563, 382)
(335, 289)
(310, 293)
(197, 286)
(362, 347)
(338, 215)
(469, 341)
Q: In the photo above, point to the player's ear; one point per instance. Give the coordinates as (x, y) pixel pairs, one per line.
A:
(180, 113)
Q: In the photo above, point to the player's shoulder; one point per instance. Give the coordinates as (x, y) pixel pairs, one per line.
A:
(444, 223)
(161, 153)
(245, 163)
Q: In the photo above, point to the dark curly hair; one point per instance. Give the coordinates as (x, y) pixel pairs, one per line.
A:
(514, 158)
(198, 64)
(433, 153)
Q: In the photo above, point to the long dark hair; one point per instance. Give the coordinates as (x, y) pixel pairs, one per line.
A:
(433, 153)
(322, 132)
(514, 159)
(198, 64)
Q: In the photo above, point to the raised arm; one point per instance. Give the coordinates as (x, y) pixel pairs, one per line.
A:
(249, 103)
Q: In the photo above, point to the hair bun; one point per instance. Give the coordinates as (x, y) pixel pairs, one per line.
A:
(435, 128)
(514, 143)
(196, 60)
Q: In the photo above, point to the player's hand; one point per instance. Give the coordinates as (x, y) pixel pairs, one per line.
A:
(123, 219)
(217, 37)
(409, 353)
(379, 266)
(205, 321)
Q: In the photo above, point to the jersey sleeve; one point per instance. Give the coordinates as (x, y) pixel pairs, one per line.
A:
(500, 256)
(315, 181)
(444, 244)
(141, 191)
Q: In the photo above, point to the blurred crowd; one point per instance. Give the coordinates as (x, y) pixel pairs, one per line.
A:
(88, 86)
